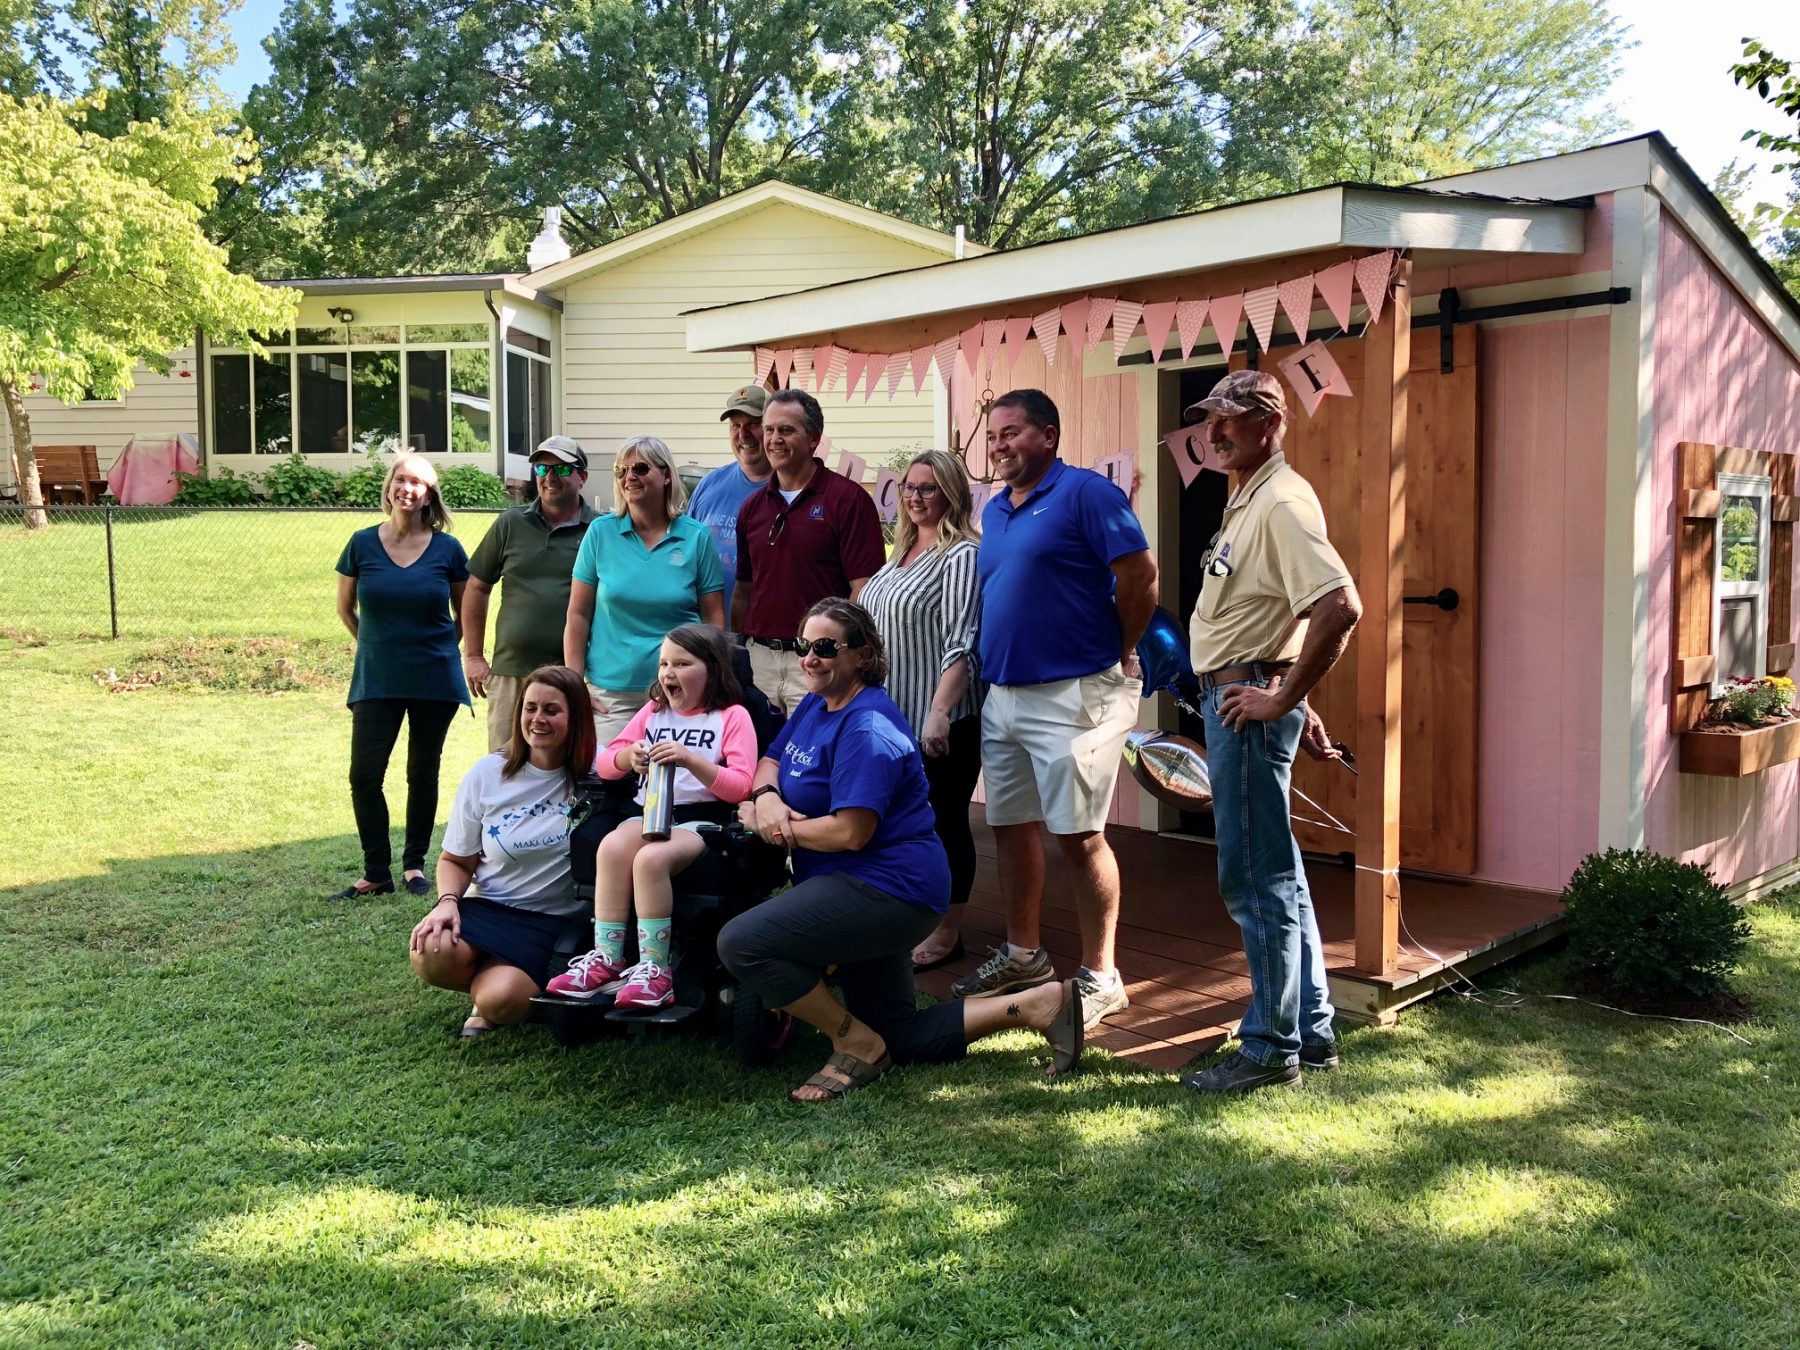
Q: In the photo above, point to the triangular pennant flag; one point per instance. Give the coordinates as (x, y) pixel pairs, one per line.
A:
(823, 359)
(877, 364)
(1125, 321)
(1099, 315)
(1189, 316)
(765, 362)
(945, 356)
(896, 368)
(1296, 303)
(1047, 326)
(1074, 321)
(971, 348)
(1334, 289)
(855, 363)
(1224, 312)
(1314, 375)
(1259, 308)
(1188, 448)
(921, 364)
(887, 495)
(784, 362)
(1372, 276)
(992, 330)
(851, 466)
(802, 365)
(1157, 319)
(840, 358)
(1018, 333)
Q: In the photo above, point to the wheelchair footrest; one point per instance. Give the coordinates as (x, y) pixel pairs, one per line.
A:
(666, 1016)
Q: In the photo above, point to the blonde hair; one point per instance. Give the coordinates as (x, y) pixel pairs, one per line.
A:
(654, 451)
(959, 504)
(435, 514)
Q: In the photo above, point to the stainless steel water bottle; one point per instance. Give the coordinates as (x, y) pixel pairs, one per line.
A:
(659, 800)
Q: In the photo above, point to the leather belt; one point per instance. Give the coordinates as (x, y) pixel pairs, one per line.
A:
(1255, 670)
(779, 644)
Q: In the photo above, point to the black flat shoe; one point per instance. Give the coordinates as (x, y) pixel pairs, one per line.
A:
(418, 885)
(355, 892)
(956, 953)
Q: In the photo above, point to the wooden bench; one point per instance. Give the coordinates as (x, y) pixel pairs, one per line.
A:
(70, 469)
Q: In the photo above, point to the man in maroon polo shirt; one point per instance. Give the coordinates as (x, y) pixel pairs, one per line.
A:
(808, 534)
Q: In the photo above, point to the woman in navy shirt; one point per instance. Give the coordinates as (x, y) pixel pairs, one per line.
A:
(847, 795)
(400, 588)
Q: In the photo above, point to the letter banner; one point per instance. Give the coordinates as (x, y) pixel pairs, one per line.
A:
(1119, 469)
(1187, 447)
(1314, 374)
(852, 466)
(887, 495)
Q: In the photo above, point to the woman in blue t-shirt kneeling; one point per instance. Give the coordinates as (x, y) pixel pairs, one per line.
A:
(847, 794)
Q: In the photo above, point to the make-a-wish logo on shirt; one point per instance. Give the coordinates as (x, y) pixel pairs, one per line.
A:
(802, 758)
(678, 558)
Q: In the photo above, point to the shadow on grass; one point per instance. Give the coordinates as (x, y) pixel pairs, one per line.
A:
(230, 1113)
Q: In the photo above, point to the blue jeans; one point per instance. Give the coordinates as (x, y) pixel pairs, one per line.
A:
(1264, 884)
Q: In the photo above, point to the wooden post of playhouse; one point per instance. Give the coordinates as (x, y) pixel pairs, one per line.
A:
(1387, 357)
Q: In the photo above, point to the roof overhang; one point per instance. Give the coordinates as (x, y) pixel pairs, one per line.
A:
(508, 282)
(1439, 227)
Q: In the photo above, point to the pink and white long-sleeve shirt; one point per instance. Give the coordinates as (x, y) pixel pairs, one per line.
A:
(726, 736)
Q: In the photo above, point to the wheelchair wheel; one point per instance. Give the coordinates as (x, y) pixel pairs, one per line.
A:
(758, 1033)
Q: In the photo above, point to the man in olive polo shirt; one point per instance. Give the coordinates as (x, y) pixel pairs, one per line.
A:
(808, 534)
(1275, 611)
(532, 550)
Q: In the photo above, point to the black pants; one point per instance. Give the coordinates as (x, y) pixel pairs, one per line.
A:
(374, 727)
(780, 949)
(951, 777)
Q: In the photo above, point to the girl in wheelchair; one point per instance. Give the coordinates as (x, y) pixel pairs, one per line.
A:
(695, 720)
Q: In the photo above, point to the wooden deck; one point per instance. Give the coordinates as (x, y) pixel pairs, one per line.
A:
(1183, 961)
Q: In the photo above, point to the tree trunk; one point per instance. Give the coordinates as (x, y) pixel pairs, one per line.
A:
(25, 470)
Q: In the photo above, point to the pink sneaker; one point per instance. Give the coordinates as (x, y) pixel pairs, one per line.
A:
(586, 977)
(647, 985)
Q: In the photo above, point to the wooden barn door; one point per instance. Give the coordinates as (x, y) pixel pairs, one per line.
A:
(1439, 670)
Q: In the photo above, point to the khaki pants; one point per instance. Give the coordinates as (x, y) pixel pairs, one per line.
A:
(613, 708)
(777, 674)
(503, 703)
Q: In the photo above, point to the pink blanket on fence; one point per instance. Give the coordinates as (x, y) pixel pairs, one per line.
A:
(144, 473)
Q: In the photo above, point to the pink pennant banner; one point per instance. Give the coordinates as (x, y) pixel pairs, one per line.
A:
(823, 359)
(1190, 316)
(803, 366)
(1157, 320)
(1187, 447)
(1119, 469)
(1259, 309)
(971, 349)
(1018, 333)
(764, 363)
(1125, 321)
(896, 371)
(921, 366)
(1099, 315)
(855, 363)
(1074, 321)
(887, 495)
(1314, 376)
(877, 365)
(1224, 313)
(851, 466)
(1334, 289)
(1372, 276)
(944, 354)
(992, 330)
(840, 358)
(1047, 325)
(784, 362)
(1296, 303)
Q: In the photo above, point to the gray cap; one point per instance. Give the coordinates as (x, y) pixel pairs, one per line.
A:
(564, 448)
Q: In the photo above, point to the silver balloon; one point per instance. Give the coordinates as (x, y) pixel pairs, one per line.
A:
(1170, 767)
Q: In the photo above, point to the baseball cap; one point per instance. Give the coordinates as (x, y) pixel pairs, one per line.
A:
(564, 448)
(1242, 391)
(750, 399)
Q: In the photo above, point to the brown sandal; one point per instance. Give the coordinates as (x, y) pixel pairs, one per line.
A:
(1065, 1032)
(857, 1073)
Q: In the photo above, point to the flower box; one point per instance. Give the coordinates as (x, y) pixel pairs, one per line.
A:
(1738, 752)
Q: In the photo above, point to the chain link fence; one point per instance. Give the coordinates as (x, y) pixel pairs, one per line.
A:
(176, 572)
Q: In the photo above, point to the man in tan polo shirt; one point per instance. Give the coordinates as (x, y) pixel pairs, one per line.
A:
(1276, 608)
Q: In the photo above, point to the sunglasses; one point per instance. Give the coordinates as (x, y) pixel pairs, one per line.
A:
(825, 649)
(552, 470)
(919, 489)
(636, 469)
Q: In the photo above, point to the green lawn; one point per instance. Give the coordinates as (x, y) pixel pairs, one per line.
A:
(229, 1116)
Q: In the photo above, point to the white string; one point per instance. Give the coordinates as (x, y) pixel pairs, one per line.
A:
(1379, 871)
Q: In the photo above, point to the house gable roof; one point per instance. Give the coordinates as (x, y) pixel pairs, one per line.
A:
(560, 275)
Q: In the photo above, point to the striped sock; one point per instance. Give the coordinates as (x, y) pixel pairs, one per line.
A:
(653, 941)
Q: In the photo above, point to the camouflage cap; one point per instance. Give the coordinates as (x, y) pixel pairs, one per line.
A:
(750, 399)
(1242, 391)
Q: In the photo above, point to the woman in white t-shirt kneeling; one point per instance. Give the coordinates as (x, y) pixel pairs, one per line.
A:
(509, 836)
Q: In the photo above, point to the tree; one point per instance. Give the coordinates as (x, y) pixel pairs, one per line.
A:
(102, 260)
(1776, 83)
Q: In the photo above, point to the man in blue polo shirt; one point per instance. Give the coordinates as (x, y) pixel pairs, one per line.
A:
(721, 494)
(1067, 587)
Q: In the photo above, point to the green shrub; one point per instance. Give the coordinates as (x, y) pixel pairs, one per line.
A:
(1653, 927)
(466, 485)
(294, 482)
(362, 485)
(224, 488)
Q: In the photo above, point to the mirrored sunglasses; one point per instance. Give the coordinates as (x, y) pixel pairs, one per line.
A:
(552, 470)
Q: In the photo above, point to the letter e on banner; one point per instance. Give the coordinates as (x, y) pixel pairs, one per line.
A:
(1313, 375)
(887, 495)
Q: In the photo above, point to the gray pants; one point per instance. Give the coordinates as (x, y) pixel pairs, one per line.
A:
(781, 948)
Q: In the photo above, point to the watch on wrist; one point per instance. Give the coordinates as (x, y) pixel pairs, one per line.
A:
(766, 787)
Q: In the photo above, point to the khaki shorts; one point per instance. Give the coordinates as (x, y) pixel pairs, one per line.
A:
(503, 701)
(613, 708)
(777, 674)
(1050, 752)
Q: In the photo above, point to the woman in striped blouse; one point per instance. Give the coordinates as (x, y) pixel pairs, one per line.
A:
(927, 606)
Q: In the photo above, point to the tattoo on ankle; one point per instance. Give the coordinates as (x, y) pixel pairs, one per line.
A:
(1012, 1010)
(844, 1026)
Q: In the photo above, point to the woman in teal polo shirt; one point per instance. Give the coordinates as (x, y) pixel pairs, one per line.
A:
(644, 570)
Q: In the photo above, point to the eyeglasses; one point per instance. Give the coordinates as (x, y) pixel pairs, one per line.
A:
(825, 649)
(552, 470)
(919, 489)
(1214, 561)
(776, 527)
(635, 469)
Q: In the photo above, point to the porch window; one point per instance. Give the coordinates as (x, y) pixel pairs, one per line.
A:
(527, 397)
(1741, 588)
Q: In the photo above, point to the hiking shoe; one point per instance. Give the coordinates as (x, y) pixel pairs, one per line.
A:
(1322, 1056)
(587, 977)
(647, 985)
(1102, 995)
(1004, 974)
(1235, 1073)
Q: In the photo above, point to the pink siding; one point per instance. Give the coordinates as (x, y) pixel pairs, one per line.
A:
(1543, 457)
(1721, 377)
